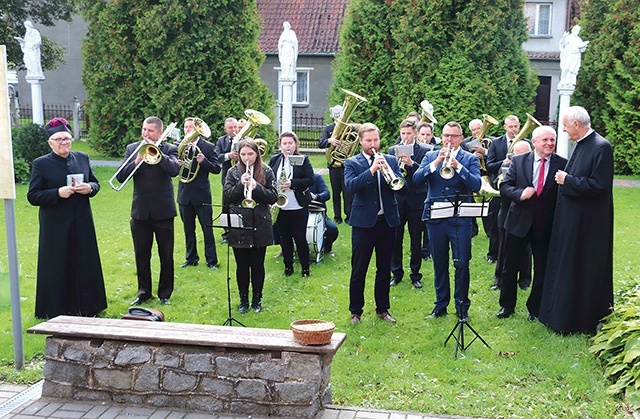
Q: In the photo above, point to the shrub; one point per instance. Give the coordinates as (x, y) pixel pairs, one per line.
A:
(617, 345)
(29, 143)
(21, 171)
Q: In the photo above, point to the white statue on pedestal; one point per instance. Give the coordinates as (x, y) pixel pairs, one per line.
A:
(30, 45)
(571, 49)
(288, 52)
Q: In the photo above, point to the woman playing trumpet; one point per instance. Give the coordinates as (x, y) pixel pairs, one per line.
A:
(294, 181)
(250, 241)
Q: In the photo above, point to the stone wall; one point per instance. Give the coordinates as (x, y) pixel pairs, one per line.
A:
(209, 379)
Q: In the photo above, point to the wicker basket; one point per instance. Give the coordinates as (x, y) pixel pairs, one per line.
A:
(312, 332)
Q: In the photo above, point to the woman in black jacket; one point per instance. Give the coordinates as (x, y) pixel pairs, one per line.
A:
(250, 178)
(294, 182)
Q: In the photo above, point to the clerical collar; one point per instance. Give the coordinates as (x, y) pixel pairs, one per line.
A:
(586, 135)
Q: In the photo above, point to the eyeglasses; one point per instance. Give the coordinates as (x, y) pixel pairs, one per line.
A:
(61, 139)
(451, 135)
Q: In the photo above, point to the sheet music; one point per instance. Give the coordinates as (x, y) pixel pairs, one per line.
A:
(473, 209)
(441, 210)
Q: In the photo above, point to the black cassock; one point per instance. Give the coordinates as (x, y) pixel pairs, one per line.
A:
(70, 277)
(578, 288)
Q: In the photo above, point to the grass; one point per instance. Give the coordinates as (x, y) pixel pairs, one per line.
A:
(527, 372)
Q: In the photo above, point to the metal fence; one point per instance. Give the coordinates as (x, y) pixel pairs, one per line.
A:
(308, 128)
(71, 112)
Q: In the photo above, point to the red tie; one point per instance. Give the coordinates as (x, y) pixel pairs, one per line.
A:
(540, 177)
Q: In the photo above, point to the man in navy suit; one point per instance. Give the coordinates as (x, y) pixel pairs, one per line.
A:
(454, 231)
(409, 206)
(194, 199)
(227, 156)
(374, 218)
(532, 192)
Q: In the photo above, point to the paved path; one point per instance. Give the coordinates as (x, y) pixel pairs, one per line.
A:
(22, 402)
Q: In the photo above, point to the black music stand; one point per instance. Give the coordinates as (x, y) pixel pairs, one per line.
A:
(229, 213)
(459, 206)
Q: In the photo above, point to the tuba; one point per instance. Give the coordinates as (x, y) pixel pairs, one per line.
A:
(254, 120)
(427, 113)
(188, 151)
(344, 132)
(529, 126)
(487, 191)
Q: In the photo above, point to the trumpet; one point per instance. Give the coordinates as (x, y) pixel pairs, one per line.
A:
(248, 201)
(149, 154)
(395, 183)
(447, 171)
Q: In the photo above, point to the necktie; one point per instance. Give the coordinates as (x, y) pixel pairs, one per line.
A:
(540, 177)
(377, 176)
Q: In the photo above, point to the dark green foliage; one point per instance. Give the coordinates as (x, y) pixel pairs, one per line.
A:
(29, 142)
(608, 84)
(466, 58)
(172, 60)
(15, 12)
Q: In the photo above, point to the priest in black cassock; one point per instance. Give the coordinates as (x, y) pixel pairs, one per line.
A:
(70, 277)
(578, 288)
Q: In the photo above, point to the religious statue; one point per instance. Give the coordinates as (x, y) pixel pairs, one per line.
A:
(571, 49)
(30, 46)
(288, 52)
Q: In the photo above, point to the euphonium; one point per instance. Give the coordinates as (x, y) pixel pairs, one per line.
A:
(149, 154)
(188, 151)
(254, 120)
(248, 201)
(529, 126)
(488, 120)
(427, 113)
(344, 132)
(395, 183)
(447, 171)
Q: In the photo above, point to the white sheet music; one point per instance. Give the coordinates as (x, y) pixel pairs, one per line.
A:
(473, 209)
(441, 210)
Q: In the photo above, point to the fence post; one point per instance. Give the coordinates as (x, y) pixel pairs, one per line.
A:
(76, 118)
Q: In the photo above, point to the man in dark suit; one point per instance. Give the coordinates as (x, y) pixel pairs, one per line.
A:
(336, 170)
(194, 199)
(532, 192)
(410, 207)
(152, 210)
(451, 231)
(227, 156)
(374, 218)
(496, 157)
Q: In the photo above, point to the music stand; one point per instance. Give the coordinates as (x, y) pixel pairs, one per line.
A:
(226, 215)
(458, 206)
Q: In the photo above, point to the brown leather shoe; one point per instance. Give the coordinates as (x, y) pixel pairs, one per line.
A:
(387, 317)
(355, 318)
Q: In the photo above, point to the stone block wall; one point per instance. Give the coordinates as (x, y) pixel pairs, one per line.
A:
(208, 379)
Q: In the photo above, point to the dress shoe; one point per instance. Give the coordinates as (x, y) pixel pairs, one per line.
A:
(243, 308)
(395, 281)
(426, 258)
(464, 318)
(531, 318)
(187, 263)
(355, 318)
(387, 317)
(417, 284)
(305, 273)
(165, 301)
(288, 271)
(491, 259)
(138, 301)
(438, 312)
(524, 285)
(332, 253)
(504, 313)
(224, 241)
(213, 266)
(337, 220)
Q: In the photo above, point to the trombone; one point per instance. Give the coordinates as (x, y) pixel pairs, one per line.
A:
(248, 201)
(149, 153)
(395, 183)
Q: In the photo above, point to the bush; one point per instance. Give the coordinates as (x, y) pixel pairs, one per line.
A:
(21, 171)
(617, 345)
(29, 143)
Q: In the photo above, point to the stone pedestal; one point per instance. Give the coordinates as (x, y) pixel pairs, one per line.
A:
(287, 105)
(565, 102)
(36, 99)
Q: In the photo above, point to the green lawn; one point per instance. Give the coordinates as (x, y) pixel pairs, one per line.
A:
(527, 372)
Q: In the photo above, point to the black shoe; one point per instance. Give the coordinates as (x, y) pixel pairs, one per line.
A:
(426, 258)
(531, 318)
(504, 313)
(187, 263)
(337, 220)
(242, 309)
(417, 284)
(305, 273)
(165, 301)
(256, 306)
(491, 259)
(224, 241)
(288, 271)
(438, 312)
(464, 318)
(395, 281)
(213, 265)
(524, 285)
(139, 300)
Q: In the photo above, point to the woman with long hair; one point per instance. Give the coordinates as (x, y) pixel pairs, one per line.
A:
(250, 180)
(293, 181)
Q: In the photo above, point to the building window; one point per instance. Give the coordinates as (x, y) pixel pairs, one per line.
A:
(538, 19)
(300, 87)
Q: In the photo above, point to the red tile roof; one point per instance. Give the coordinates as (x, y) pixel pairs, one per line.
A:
(315, 22)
